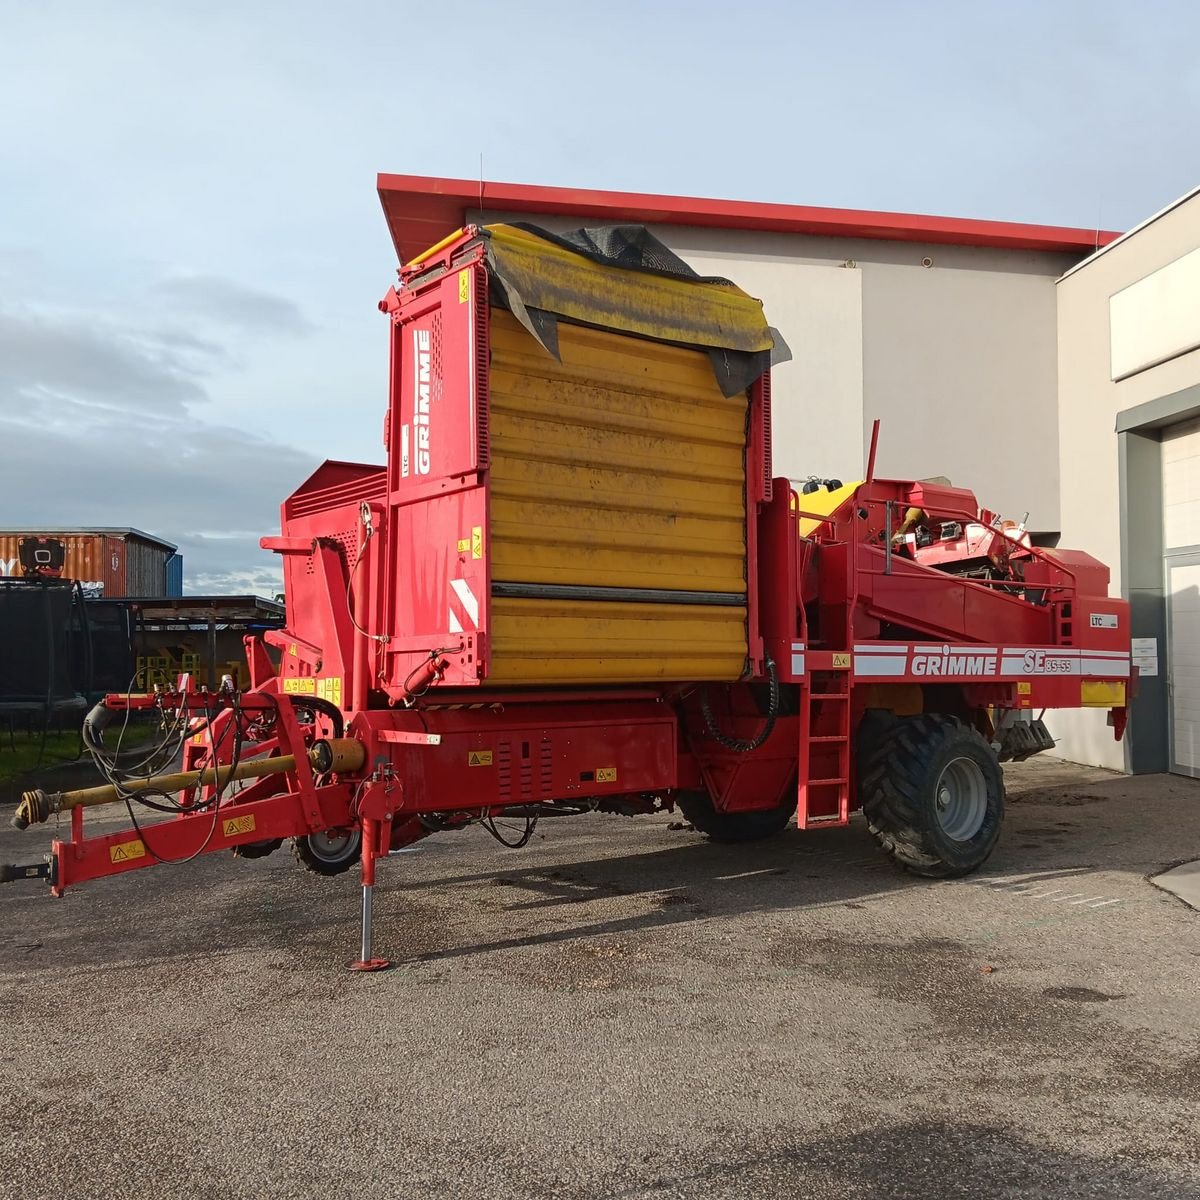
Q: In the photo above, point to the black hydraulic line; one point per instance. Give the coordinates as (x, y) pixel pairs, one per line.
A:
(745, 745)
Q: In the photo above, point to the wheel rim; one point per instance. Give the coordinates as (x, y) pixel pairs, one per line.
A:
(960, 799)
(332, 846)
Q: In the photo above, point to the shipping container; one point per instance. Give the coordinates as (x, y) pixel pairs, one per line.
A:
(105, 562)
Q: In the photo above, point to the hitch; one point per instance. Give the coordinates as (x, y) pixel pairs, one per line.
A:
(11, 872)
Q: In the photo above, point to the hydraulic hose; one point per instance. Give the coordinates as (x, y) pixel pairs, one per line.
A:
(745, 745)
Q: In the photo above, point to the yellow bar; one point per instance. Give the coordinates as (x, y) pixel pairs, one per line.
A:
(426, 254)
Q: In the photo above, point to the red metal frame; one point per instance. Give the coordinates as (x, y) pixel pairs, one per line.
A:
(259, 812)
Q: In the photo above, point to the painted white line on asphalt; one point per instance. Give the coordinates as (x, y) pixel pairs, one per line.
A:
(1033, 889)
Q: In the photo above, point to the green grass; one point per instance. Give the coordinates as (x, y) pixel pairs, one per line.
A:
(29, 753)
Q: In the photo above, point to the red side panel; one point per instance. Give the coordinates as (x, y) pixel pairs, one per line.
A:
(438, 590)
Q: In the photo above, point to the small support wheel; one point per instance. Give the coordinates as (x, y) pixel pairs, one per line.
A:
(257, 849)
(933, 795)
(697, 807)
(330, 852)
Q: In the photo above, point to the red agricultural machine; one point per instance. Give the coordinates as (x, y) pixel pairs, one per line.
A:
(575, 586)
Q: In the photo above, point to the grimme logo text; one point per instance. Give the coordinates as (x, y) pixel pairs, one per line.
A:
(421, 401)
(947, 662)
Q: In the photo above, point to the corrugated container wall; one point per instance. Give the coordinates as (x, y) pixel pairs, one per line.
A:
(145, 568)
(110, 566)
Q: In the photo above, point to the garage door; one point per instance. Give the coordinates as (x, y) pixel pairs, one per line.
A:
(1181, 542)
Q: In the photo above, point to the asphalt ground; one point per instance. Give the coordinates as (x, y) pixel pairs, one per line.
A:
(622, 1010)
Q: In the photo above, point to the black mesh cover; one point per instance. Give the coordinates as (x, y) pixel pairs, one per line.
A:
(35, 642)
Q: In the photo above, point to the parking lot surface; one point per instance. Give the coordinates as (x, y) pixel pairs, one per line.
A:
(622, 1010)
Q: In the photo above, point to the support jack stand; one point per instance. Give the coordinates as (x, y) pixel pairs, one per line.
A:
(366, 961)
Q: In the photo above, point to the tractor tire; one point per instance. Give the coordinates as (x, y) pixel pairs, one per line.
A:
(933, 795)
(257, 849)
(328, 853)
(698, 808)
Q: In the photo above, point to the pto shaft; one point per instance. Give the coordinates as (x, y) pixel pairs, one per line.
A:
(337, 754)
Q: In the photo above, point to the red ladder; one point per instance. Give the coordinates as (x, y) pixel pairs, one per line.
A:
(824, 794)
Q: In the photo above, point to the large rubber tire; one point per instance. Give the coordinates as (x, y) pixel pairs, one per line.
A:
(698, 808)
(933, 795)
(329, 853)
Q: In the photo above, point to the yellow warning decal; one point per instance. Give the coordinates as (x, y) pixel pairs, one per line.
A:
(292, 650)
(127, 851)
(238, 825)
(1024, 687)
(841, 662)
(477, 542)
(479, 758)
(606, 774)
(464, 286)
(330, 689)
(464, 544)
(300, 687)
(1102, 693)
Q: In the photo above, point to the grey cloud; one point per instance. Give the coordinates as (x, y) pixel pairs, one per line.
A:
(96, 362)
(224, 300)
(179, 479)
(99, 425)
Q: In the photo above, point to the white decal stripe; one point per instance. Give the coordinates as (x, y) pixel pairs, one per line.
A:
(1104, 666)
(955, 648)
(455, 623)
(875, 664)
(463, 591)
(797, 664)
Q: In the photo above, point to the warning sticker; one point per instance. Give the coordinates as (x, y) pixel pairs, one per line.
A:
(479, 758)
(127, 851)
(235, 826)
(300, 687)
(477, 542)
(606, 774)
(1024, 687)
(841, 662)
(464, 286)
(464, 544)
(330, 689)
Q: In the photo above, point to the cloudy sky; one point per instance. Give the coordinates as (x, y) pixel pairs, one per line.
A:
(191, 248)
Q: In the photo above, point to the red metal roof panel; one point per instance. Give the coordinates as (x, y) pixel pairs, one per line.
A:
(422, 209)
